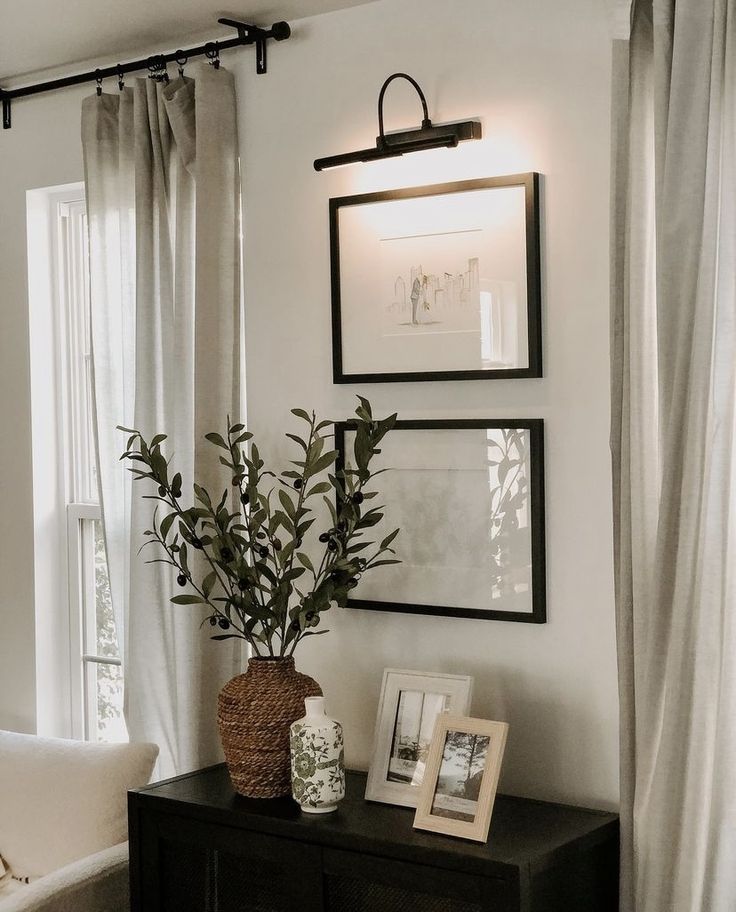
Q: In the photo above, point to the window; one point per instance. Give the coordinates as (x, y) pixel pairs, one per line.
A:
(92, 671)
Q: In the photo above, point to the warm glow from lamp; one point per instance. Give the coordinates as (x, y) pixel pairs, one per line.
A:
(497, 154)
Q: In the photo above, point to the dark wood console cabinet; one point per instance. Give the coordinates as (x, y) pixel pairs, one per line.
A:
(196, 846)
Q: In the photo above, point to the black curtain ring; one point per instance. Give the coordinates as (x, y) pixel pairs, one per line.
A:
(157, 68)
(98, 80)
(181, 61)
(121, 78)
(212, 53)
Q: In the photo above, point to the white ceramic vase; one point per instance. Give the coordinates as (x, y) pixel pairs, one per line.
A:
(317, 759)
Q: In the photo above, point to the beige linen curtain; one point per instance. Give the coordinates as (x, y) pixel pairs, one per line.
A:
(163, 201)
(673, 430)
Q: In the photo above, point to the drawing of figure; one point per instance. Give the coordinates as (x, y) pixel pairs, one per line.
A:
(416, 293)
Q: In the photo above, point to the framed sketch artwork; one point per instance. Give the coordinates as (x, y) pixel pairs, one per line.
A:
(468, 496)
(437, 283)
(409, 705)
(461, 777)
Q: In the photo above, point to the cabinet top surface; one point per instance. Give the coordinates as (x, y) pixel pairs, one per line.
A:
(522, 830)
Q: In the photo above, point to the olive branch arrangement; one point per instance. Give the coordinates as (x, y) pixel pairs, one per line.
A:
(252, 558)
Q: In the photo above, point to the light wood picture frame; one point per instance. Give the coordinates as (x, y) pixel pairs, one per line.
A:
(461, 777)
(408, 707)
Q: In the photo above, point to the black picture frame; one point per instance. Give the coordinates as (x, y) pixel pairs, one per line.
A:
(530, 182)
(535, 426)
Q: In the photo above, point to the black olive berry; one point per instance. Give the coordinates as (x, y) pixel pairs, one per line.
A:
(298, 484)
(294, 625)
(260, 535)
(324, 537)
(309, 615)
(358, 498)
(242, 584)
(276, 544)
(332, 545)
(224, 623)
(174, 548)
(162, 491)
(213, 622)
(226, 555)
(263, 551)
(181, 579)
(352, 584)
(244, 499)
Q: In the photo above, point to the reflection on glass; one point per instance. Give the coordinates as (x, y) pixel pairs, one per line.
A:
(510, 553)
(462, 499)
(416, 713)
(461, 772)
(500, 331)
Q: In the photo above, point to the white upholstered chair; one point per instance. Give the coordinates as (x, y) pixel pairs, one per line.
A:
(63, 822)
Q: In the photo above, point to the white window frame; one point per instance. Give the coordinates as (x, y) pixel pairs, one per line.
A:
(67, 658)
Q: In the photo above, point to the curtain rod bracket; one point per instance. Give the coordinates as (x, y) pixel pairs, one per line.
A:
(7, 122)
(252, 34)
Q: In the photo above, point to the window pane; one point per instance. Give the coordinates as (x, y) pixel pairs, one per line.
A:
(106, 636)
(76, 357)
(105, 683)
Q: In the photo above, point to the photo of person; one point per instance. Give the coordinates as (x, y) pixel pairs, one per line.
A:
(416, 712)
(464, 758)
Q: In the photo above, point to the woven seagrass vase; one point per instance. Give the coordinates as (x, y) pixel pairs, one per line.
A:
(254, 713)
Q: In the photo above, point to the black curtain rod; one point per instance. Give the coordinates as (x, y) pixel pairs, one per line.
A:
(247, 34)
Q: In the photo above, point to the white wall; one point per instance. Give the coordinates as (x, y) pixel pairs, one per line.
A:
(41, 150)
(538, 77)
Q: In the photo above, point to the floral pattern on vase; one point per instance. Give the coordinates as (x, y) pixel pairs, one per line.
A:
(317, 759)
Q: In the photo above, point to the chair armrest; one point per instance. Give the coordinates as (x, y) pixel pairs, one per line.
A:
(97, 883)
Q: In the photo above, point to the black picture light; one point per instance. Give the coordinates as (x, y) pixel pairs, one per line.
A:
(428, 136)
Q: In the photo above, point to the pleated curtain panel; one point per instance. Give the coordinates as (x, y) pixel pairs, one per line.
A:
(163, 201)
(673, 435)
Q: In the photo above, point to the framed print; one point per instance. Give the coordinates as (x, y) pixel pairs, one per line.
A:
(461, 778)
(437, 283)
(409, 705)
(468, 497)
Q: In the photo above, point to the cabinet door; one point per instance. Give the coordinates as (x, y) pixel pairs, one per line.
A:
(190, 866)
(364, 883)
